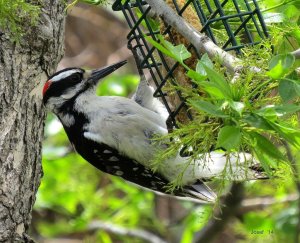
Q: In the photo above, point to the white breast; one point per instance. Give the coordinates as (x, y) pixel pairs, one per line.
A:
(122, 124)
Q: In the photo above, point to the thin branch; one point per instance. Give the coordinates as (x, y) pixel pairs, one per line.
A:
(199, 40)
(119, 230)
(261, 203)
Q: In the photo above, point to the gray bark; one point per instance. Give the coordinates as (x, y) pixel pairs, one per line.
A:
(23, 70)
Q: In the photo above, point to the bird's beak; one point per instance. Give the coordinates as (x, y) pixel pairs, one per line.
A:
(102, 72)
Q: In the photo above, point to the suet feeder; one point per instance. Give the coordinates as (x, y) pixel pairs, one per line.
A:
(231, 25)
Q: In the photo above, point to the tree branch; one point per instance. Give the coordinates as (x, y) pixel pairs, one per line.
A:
(199, 40)
(261, 203)
(119, 230)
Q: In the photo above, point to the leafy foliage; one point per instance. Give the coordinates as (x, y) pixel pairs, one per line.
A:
(13, 15)
(91, 2)
(243, 117)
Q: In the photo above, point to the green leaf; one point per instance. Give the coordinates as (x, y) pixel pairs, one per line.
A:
(212, 89)
(291, 12)
(264, 160)
(286, 60)
(200, 68)
(268, 112)
(160, 47)
(207, 107)
(287, 132)
(272, 112)
(206, 61)
(296, 35)
(229, 137)
(277, 71)
(257, 121)
(295, 86)
(266, 147)
(180, 52)
(287, 90)
(219, 82)
(280, 65)
(197, 77)
(282, 110)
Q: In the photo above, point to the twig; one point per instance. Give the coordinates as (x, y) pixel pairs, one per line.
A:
(119, 230)
(261, 203)
(231, 204)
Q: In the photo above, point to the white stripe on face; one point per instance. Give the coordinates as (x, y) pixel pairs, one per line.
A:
(65, 74)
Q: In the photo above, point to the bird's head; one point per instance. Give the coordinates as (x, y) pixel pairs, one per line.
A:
(70, 82)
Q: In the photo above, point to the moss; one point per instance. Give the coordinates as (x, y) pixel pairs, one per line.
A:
(13, 15)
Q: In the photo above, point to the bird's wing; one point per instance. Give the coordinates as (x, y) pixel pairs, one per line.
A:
(131, 134)
(109, 160)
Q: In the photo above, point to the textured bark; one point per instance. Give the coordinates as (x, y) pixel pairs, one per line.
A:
(23, 70)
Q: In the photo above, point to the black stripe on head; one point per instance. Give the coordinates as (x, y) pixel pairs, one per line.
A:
(61, 81)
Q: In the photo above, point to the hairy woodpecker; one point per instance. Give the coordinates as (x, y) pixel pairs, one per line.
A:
(115, 135)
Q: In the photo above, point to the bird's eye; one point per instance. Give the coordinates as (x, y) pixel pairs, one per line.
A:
(75, 78)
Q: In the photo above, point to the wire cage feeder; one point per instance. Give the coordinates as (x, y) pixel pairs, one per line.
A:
(231, 25)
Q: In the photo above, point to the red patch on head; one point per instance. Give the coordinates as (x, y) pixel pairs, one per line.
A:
(46, 86)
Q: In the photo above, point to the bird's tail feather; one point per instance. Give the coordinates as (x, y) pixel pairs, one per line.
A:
(200, 191)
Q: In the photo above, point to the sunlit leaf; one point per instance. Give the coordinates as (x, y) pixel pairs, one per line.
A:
(160, 47)
(296, 35)
(180, 52)
(271, 18)
(277, 71)
(237, 106)
(200, 68)
(280, 65)
(291, 12)
(206, 60)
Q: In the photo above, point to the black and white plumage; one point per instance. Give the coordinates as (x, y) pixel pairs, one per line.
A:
(114, 134)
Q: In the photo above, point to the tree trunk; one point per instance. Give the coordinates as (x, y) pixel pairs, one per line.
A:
(23, 70)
